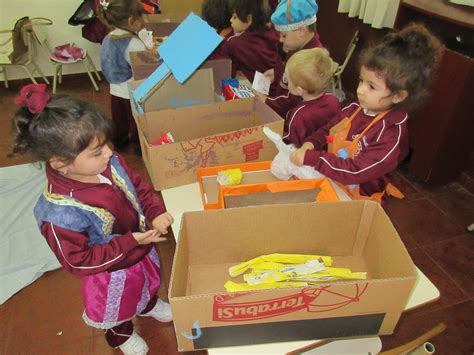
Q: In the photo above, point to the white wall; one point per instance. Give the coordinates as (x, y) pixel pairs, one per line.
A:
(59, 11)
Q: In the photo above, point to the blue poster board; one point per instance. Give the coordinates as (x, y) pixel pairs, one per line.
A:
(182, 52)
(188, 46)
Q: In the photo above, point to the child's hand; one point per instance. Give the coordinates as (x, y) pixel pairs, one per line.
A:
(270, 74)
(297, 157)
(150, 236)
(162, 222)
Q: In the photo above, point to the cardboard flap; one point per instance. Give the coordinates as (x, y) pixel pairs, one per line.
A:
(364, 227)
(188, 46)
(198, 90)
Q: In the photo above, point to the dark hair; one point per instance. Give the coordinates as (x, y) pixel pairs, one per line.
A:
(406, 60)
(216, 13)
(64, 129)
(117, 12)
(259, 9)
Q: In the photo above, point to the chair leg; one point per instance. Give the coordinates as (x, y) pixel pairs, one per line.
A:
(25, 68)
(39, 71)
(55, 77)
(60, 73)
(4, 71)
(93, 67)
(86, 64)
(333, 86)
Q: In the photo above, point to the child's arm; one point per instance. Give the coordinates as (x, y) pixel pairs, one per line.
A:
(152, 203)
(75, 255)
(283, 103)
(374, 161)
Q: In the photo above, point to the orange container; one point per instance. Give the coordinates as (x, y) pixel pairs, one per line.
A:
(257, 178)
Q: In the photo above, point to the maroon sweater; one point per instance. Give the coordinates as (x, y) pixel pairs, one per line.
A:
(250, 52)
(306, 118)
(72, 248)
(283, 101)
(381, 149)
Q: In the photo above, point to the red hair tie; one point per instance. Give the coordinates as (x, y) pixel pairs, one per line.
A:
(34, 97)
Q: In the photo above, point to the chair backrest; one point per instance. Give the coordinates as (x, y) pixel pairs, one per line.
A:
(20, 41)
(350, 49)
(37, 30)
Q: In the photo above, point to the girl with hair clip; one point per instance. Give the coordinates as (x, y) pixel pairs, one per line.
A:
(94, 213)
(253, 45)
(128, 34)
(361, 147)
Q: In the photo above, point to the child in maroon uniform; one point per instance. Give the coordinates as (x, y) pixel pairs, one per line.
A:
(309, 72)
(370, 138)
(252, 46)
(295, 20)
(93, 214)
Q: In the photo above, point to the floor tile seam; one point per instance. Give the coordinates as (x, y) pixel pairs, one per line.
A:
(447, 274)
(445, 214)
(442, 308)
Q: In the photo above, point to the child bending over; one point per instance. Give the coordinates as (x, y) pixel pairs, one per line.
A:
(295, 20)
(94, 213)
(252, 45)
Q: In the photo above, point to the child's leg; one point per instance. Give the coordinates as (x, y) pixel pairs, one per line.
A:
(120, 111)
(118, 335)
(158, 309)
(124, 338)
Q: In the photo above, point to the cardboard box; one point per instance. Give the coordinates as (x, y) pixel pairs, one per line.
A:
(259, 187)
(176, 11)
(357, 234)
(144, 63)
(197, 90)
(205, 135)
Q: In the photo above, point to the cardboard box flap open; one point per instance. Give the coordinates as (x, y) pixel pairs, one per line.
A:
(197, 90)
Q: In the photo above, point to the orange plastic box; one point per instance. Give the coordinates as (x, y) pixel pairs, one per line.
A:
(259, 187)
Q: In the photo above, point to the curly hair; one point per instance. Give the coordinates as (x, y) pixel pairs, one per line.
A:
(406, 60)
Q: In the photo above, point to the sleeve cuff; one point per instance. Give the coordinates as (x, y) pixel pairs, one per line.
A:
(311, 157)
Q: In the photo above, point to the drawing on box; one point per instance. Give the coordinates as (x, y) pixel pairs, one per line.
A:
(319, 299)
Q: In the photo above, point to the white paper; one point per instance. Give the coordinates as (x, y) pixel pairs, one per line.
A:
(261, 83)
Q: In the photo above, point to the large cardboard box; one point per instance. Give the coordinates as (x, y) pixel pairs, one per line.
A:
(357, 234)
(205, 135)
(259, 187)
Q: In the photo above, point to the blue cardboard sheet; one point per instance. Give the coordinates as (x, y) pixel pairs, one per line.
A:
(188, 46)
(158, 75)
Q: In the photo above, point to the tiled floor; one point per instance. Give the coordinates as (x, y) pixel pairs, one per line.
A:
(45, 317)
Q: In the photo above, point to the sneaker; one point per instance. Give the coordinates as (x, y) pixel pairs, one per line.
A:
(135, 345)
(161, 312)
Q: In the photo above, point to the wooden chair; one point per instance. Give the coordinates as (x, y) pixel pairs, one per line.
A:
(339, 68)
(17, 47)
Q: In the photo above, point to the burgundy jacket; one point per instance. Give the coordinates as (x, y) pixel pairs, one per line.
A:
(72, 248)
(283, 101)
(250, 52)
(381, 149)
(306, 118)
